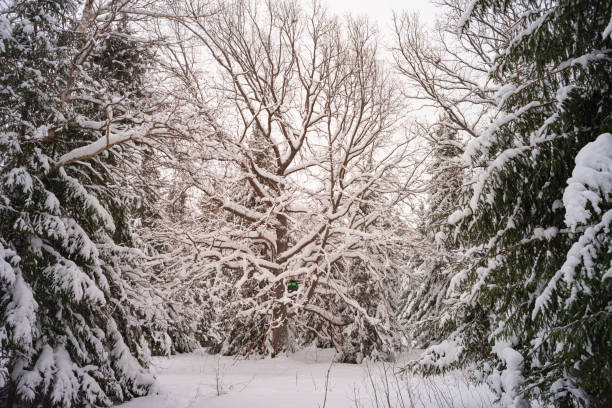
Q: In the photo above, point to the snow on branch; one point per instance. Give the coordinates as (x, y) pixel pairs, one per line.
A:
(108, 141)
(591, 181)
(325, 314)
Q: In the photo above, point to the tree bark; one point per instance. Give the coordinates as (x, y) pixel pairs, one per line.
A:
(280, 334)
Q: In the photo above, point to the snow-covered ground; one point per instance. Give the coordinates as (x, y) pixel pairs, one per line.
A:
(298, 381)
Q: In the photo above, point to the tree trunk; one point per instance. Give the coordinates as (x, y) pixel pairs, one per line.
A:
(280, 335)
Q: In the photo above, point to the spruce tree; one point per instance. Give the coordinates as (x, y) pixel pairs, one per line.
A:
(66, 338)
(535, 227)
(426, 305)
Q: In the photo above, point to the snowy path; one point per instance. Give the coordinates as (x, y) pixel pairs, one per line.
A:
(297, 381)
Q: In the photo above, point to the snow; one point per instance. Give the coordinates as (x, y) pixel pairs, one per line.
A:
(443, 354)
(547, 234)
(469, 8)
(21, 312)
(590, 184)
(608, 30)
(6, 270)
(56, 373)
(52, 204)
(504, 92)
(104, 142)
(69, 277)
(6, 31)
(509, 378)
(591, 181)
(66, 384)
(520, 37)
(439, 237)
(581, 252)
(125, 362)
(584, 60)
(458, 215)
(298, 381)
(327, 315)
(89, 200)
(19, 176)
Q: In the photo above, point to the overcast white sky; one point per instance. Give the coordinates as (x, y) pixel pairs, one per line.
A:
(380, 10)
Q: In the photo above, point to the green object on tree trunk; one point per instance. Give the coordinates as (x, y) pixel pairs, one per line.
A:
(292, 286)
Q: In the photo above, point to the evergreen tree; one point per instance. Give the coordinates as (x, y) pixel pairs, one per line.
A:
(67, 338)
(537, 288)
(426, 301)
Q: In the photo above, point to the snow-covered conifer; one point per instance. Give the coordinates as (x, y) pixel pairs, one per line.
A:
(426, 307)
(72, 88)
(536, 217)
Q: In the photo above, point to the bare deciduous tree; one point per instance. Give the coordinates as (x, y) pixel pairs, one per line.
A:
(306, 182)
